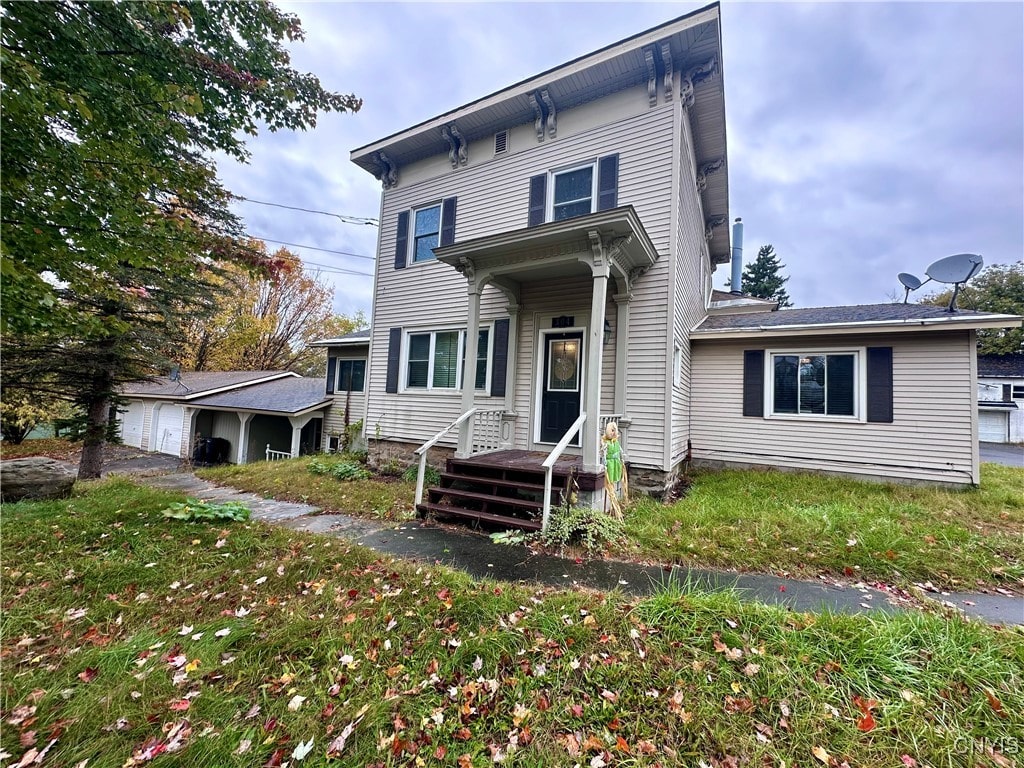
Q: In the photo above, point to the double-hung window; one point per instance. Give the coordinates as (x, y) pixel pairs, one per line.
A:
(351, 376)
(426, 232)
(814, 383)
(572, 193)
(434, 360)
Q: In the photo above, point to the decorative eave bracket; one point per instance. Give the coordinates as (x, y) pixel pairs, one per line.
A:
(706, 170)
(711, 224)
(658, 60)
(666, 67)
(695, 77)
(386, 171)
(545, 116)
(458, 150)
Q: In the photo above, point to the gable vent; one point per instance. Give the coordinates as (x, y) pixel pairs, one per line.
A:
(500, 142)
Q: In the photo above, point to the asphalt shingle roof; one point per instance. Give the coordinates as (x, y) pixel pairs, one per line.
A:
(194, 382)
(861, 313)
(1001, 366)
(288, 395)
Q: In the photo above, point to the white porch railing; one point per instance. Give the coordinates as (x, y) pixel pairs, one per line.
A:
(486, 430)
(549, 465)
(422, 451)
(278, 455)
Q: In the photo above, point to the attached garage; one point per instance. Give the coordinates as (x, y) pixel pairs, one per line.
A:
(132, 419)
(993, 425)
(167, 429)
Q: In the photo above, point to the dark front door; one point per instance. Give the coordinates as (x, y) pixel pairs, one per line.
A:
(562, 389)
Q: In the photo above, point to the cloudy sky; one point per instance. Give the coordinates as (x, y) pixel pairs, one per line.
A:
(865, 139)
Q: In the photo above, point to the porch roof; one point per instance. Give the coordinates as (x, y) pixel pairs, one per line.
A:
(285, 397)
(616, 235)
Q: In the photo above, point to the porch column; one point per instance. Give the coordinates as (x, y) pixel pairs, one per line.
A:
(592, 390)
(469, 380)
(298, 422)
(242, 456)
(513, 357)
(189, 437)
(621, 348)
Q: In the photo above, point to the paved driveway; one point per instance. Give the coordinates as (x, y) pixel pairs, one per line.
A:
(1003, 453)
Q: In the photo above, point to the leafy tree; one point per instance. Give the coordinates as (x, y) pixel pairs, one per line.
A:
(265, 323)
(998, 288)
(113, 219)
(761, 277)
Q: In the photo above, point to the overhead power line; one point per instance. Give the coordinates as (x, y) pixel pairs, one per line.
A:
(313, 248)
(359, 220)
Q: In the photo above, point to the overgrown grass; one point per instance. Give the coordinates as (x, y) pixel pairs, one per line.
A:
(114, 634)
(805, 524)
(291, 480)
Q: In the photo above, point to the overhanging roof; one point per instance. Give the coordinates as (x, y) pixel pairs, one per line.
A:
(537, 251)
(846, 320)
(192, 384)
(354, 339)
(284, 397)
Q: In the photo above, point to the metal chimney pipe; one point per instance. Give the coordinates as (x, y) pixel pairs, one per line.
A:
(736, 281)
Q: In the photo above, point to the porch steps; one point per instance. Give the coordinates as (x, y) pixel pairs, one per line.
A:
(503, 489)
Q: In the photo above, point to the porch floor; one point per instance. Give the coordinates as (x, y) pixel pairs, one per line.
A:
(527, 461)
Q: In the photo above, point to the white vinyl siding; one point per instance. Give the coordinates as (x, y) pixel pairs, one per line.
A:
(494, 197)
(354, 403)
(930, 438)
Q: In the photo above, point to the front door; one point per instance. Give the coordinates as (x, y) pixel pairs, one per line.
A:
(562, 389)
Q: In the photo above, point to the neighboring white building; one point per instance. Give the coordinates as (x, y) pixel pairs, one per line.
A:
(253, 411)
(346, 387)
(1001, 398)
(551, 246)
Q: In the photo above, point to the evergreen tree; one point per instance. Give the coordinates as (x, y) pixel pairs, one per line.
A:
(113, 217)
(761, 277)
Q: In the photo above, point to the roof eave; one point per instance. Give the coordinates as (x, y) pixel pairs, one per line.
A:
(866, 326)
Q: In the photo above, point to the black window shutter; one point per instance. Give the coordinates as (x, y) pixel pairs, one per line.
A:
(880, 384)
(394, 359)
(607, 182)
(402, 241)
(332, 367)
(448, 221)
(499, 366)
(538, 185)
(753, 382)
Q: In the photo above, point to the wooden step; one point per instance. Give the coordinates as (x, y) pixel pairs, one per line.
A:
(508, 521)
(492, 481)
(486, 498)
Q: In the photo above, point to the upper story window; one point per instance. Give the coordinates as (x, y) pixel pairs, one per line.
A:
(427, 229)
(431, 225)
(1018, 392)
(573, 193)
(351, 376)
(814, 383)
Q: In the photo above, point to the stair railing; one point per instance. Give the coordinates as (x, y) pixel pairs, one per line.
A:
(422, 451)
(278, 455)
(487, 430)
(549, 466)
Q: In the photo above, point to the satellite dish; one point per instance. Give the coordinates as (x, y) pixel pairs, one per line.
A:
(956, 269)
(910, 282)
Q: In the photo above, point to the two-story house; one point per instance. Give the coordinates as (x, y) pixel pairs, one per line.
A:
(544, 267)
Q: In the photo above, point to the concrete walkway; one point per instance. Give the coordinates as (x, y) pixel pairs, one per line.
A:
(477, 555)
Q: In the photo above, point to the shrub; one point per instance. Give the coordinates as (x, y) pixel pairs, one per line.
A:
(430, 476)
(342, 469)
(591, 528)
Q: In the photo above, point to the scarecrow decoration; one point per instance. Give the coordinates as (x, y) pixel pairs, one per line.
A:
(616, 484)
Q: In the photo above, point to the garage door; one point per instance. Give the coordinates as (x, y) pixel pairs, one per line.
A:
(992, 426)
(167, 437)
(131, 423)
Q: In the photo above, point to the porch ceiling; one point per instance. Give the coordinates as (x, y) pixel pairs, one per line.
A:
(615, 238)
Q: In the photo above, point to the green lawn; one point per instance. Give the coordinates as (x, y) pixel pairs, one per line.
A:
(805, 524)
(245, 645)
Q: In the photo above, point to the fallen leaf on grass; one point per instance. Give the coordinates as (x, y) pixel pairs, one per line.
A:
(223, 632)
(821, 754)
(866, 722)
(180, 705)
(995, 703)
(296, 702)
(88, 674)
(302, 749)
(335, 748)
